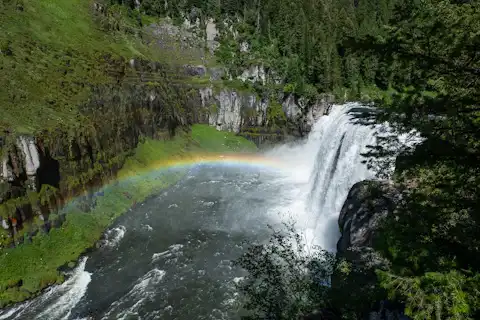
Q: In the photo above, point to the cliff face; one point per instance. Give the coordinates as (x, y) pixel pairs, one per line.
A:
(139, 99)
(231, 110)
(244, 101)
(235, 110)
(367, 204)
(38, 173)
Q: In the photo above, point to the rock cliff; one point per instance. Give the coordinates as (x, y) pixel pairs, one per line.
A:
(239, 102)
(139, 99)
(367, 204)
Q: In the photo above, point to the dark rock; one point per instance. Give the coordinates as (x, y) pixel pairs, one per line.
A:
(191, 70)
(387, 310)
(4, 188)
(367, 204)
(216, 74)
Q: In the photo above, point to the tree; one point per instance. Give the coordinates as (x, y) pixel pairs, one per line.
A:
(431, 47)
(285, 280)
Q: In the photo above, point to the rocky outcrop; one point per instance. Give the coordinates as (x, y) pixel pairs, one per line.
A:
(139, 99)
(198, 70)
(254, 74)
(240, 111)
(367, 204)
(232, 110)
(303, 115)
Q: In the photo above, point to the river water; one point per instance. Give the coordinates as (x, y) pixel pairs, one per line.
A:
(171, 256)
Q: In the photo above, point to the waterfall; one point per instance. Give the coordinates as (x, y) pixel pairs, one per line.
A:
(325, 167)
(207, 215)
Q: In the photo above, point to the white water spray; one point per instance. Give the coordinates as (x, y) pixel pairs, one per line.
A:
(323, 169)
(60, 300)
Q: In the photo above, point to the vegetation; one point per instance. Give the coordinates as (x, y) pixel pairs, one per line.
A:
(418, 59)
(32, 266)
(285, 280)
(431, 45)
(51, 53)
(430, 48)
(301, 41)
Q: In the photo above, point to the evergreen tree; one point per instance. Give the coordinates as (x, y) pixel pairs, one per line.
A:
(432, 48)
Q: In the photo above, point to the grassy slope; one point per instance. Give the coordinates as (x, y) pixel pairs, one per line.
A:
(35, 264)
(51, 52)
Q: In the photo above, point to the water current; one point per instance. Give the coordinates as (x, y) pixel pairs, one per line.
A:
(171, 256)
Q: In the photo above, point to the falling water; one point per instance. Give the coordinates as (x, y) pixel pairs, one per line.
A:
(324, 168)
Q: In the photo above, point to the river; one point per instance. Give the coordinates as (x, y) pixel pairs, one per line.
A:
(171, 256)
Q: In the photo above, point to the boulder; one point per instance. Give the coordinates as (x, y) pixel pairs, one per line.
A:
(367, 204)
(217, 73)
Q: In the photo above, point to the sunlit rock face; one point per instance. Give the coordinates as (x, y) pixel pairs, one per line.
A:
(231, 110)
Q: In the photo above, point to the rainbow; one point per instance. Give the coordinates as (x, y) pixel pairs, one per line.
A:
(237, 160)
(232, 160)
(187, 161)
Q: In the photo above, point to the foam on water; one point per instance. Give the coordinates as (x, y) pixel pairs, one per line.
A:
(58, 301)
(310, 187)
(114, 236)
(143, 290)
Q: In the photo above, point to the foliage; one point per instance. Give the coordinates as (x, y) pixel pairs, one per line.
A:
(426, 60)
(52, 52)
(276, 117)
(300, 40)
(434, 295)
(285, 280)
(430, 47)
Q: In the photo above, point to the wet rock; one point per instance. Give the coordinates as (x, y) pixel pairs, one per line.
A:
(367, 204)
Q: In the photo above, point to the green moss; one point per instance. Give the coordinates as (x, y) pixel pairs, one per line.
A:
(5, 239)
(199, 80)
(33, 266)
(239, 85)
